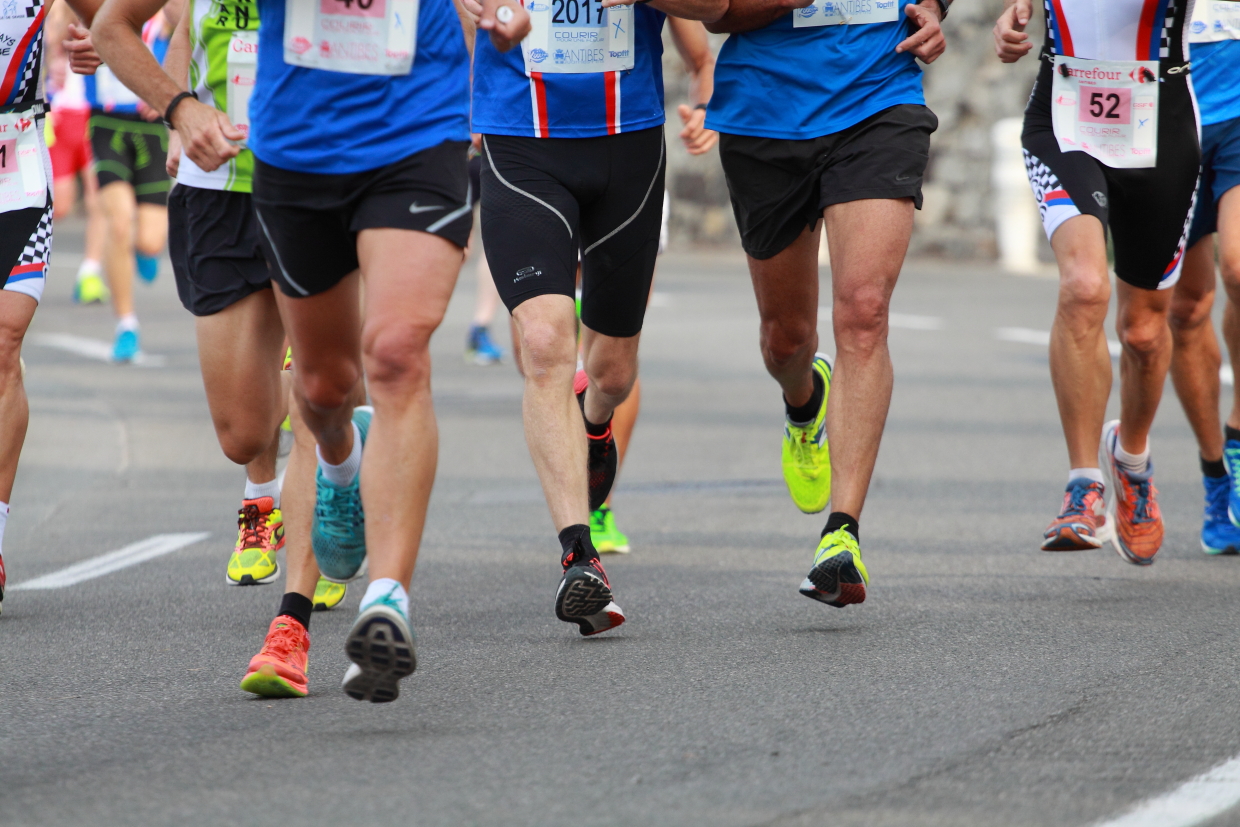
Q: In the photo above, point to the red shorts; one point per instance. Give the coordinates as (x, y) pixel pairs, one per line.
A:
(71, 151)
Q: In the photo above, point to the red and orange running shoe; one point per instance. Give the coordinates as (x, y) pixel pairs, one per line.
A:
(1082, 524)
(1133, 505)
(260, 534)
(279, 669)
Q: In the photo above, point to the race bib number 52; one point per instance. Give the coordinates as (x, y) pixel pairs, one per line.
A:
(1107, 109)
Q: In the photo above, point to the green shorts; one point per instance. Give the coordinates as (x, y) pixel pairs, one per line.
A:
(132, 150)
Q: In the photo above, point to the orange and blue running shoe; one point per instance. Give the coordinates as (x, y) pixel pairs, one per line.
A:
(279, 669)
(260, 534)
(1132, 508)
(1082, 523)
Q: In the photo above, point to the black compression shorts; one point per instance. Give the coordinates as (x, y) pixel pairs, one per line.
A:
(130, 149)
(546, 199)
(213, 241)
(1147, 210)
(309, 221)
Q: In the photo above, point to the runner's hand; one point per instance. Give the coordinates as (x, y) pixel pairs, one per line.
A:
(1011, 42)
(504, 35)
(147, 112)
(698, 139)
(205, 134)
(474, 8)
(927, 42)
(607, 4)
(83, 59)
(174, 153)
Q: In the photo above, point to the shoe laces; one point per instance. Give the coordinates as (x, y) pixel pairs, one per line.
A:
(284, 641)
(839, 540)
(804, 441)
(252, 523)
(339, 510)
(576, 556)
(1076, 500)
(1231, 452)
(1141, 494)
(1216, 500)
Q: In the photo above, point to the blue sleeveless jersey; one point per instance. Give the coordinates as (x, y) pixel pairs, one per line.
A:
(508, 101)
(315, 120)
(1216, 80)
(784, 82)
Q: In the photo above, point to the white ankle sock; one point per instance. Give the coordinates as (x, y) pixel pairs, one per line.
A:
(4, 519)
(387, 586)
(255, 490)
(1132, 463)
(1092, 474)
(344, 473)
(88, 267)
(127, 322)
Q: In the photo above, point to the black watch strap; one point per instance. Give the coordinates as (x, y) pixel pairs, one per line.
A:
(176, 101)
(944, 5)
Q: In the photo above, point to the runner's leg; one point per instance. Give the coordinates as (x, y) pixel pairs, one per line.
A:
(16, 311)
(1229, 268)
(118, 208)
(1195, 355)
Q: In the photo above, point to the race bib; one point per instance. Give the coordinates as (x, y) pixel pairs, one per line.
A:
(578, 36)
(23, 182)
(242, 72)
(846, 13)
(362, 37)
(1215, 20)
(1107, 109)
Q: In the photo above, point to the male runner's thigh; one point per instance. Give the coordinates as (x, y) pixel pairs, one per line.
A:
(883, 156)
(530, 214)
(213, 241)
(774, 184)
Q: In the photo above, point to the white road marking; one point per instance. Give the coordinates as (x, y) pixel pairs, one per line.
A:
(1226, 375)
(1193, 802)
(96, 349)
(904, 321)
(1041, 338)
(130, 555)
(657, 298)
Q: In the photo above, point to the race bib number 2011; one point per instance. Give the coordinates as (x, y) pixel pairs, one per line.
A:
(363, 37)
(1107, 109)
(578, 36)
(1214, 21)
(847, 13)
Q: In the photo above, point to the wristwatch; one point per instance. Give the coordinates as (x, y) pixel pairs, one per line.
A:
(943, 6)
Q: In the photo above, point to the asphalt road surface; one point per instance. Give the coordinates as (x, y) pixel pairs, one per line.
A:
(982, 683)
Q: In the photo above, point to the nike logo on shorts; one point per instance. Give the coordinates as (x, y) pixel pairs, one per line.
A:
(415, 209)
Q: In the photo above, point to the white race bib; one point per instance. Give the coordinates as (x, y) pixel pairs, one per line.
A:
(578, 36)
(1215, 20)
(1107, 109)
(846, 13)
(242, 72)
(23, 183)
(363, 37)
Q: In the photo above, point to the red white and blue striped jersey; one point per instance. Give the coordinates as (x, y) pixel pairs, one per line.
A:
(1117, 29)
(21, 52)
(509, 101)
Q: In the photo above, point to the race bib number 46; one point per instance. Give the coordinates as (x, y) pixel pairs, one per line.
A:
(363, 37)
(1215, 20)
(578, 36)
(1107, 109)
(846, 13)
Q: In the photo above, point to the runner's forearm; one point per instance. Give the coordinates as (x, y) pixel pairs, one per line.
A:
(85, 9)
(176, 61)
(692, 9)
(747, 15)
(117, 36)
(693, 45)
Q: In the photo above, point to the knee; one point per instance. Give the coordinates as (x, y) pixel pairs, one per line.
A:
(327, 388)
(397, 356)
(546, 347)
(1084, 295)
(860, 319)
(10, 353)
(1144, 338)
(241, 447)
(1229, 267)
(785, 341)
(614, 378)
(1189, 311)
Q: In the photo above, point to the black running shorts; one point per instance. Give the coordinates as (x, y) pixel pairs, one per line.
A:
(546, 199)
(309, 222)
(1147, 210)
(132, 150)
(780, 186)
(213, 241)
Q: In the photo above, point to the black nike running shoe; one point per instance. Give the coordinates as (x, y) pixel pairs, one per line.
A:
(584, 596)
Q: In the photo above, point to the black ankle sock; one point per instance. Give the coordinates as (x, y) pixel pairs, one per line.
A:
(1231, 433)
(838, 520)
(809, 411)
(596, 430)
(297, 606)
(577, 536)
(1213, 468)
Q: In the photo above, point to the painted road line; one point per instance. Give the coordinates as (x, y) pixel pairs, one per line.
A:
(1193, 802)
(1041, 338)
(96, 349)
(903, 321)
(130, 555)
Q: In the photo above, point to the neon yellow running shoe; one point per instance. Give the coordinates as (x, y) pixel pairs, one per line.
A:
(327, 595)
(260, 534)
(604, 534)
(806, 457)
(90, 289)
(838, 577)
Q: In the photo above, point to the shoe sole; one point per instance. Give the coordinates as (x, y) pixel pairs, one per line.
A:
(265, 683)
(607, 548)
(1068, 539)
(835, 581)
(583, 598)
(357, 575)
(250, 580)
(1219, 552)
(382, 647)
(1106, 462)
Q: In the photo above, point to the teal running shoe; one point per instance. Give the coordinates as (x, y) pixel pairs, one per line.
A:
(148, 267)
(126, 347)
(381, 645)
(338, 536)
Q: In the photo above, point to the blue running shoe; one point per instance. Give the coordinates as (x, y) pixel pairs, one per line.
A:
(479, 349)
(1231, 458)
(126, 347)
(148, 267)
(1218, 535)
(381, 645)
(339, 532)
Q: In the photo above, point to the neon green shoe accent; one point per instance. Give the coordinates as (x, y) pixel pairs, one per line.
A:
(327, 595)
(839, 577)
(604, 534)
(287, 425)
(252, 566)
(267, 684)
(839, 541)
(90, 289)
(806, 456)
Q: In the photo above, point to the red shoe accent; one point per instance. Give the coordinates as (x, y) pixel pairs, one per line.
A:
(1076, 527)
(255, 528)
(285, 652)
